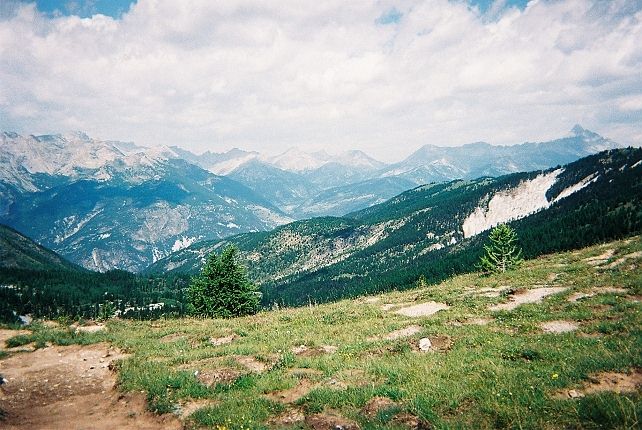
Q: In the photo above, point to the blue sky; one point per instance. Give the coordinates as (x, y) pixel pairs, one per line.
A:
(383, 76)
(115, 8)
(484, 5)
(84, 8)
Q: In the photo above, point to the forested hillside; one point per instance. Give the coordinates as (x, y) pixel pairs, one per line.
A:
(433, 230)
(35, 280)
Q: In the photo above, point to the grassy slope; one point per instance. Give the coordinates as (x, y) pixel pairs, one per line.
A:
(500, 375)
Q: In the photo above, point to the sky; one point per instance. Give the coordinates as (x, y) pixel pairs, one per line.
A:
(382, 76)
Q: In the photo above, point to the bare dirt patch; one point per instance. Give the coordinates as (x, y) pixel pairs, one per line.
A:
(606, 381)
(288, 417)
(623, 259)
(376, 405)
(422, 309)
(401, 333)
(91, 328)
(330, 421)
(306, 351)
(596, 291)
(223, 340)
(72, 387)
(293, 394)
(434, 344)
(225, 370)
(410, 421)
(559, 326)
(188, 408)
(617, 382)
(600, 259)
(254, 365)
(534, 295)
(222, 375)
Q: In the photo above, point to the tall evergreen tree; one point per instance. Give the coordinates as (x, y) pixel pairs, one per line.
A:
(501, 254)
(222, 289)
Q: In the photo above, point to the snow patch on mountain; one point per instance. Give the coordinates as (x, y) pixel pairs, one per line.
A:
(296, 160)
(183, 243)
(519, 202)
(576, 187)
(226, 167)
(71, 225)
(527, 198)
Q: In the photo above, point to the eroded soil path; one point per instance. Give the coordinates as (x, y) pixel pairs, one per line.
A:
(71, 387)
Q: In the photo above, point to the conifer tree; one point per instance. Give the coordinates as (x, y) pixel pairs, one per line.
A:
(222, 289)
(501, 254)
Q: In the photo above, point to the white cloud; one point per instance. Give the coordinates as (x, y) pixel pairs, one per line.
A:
(269, 75)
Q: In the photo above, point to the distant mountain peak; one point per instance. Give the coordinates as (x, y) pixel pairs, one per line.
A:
(77, 135)
(578, 130)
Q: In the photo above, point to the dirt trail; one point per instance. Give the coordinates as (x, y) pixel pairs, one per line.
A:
(71, 387)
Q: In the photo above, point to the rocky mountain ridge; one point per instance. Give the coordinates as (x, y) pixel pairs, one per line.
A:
(307, 184)
(104, 207)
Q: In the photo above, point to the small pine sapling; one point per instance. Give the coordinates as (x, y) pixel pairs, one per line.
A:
(502, 253)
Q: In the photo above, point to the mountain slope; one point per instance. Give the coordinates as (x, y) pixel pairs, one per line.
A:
(433, 230)
(19, 252)
(348, 198)
(105, 209)
(285, 189)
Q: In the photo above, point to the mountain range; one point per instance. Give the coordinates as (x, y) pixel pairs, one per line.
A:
(435, 230)
(104, 208)
(308, 184)
(108, 204)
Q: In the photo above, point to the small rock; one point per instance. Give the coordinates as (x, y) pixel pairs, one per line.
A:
(425, 344)
(573, 394)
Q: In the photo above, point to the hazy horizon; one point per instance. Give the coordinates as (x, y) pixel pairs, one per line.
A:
(384, 77)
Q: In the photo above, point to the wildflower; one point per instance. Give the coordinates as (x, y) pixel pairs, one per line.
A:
(555, 376)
